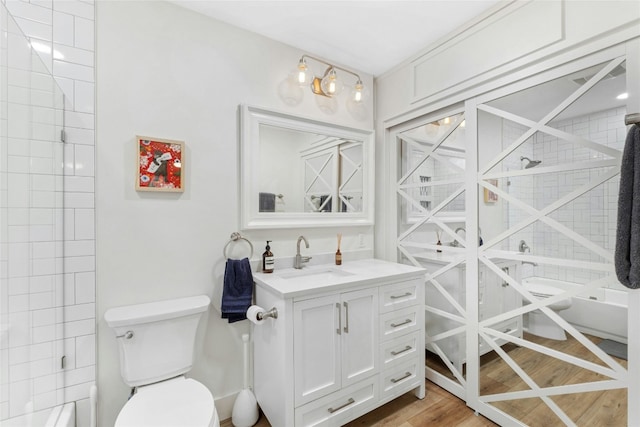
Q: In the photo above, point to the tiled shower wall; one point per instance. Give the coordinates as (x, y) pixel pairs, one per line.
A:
(63, 31)
(593, 215)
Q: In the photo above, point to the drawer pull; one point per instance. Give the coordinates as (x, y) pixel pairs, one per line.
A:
(339, 331)
(408, 294)
(395, 325)
(405, 376)
(395, 353)
(349, 402)
(346, 315)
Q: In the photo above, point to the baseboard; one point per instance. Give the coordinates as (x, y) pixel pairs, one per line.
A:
(224, 406)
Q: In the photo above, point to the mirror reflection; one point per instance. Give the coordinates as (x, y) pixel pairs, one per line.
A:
(308, 172)
(301, 172)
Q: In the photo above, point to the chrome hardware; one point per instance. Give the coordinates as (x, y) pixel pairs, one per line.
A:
(339, 330)
(395, 325)
(395, 353)
(523, 247)
(404, 377)
(408, 294)
(455, 243)
(505, 270)
(346, 315)
(299, 258)
(271, 313)
(63, 362)
(127, 335)
(349, 402)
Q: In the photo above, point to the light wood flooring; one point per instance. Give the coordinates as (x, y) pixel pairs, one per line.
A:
(440, 408)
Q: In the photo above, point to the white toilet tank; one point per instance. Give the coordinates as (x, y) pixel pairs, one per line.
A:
(157, 339)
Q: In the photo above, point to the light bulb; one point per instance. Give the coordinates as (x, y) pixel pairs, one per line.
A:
(330, 84)
(360, 93)
(302, 73)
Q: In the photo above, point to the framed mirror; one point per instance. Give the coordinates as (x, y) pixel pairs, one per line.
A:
(299, 172)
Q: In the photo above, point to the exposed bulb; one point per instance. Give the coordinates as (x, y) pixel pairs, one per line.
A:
(359, 92)
(302, 73)
(330, 83)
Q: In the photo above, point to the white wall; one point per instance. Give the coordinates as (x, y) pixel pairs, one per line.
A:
(167, 72)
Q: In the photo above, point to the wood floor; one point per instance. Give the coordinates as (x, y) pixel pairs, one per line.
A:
(438, 408)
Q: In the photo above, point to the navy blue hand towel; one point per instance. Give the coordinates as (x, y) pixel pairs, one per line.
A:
(237, 292)
(627, 255)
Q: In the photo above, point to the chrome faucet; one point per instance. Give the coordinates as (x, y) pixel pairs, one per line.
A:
(455, 243)
(299, 258)
(524, 247)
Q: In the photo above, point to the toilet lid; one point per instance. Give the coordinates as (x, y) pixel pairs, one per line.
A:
(543, 291)
(179, 402)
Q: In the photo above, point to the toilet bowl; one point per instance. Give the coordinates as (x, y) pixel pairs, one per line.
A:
(175, 402)
(156, 343)
(539, 323)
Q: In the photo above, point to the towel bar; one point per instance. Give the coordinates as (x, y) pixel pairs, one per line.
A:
(235, 236)
(632, 119)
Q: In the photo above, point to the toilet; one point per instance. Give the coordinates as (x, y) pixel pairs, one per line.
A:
(539, 323)
(156, 343)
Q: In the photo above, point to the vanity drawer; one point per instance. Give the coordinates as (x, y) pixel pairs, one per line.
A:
(400, 295)
(340, 407)
(400, 322)
(400, 379)
(399, 350)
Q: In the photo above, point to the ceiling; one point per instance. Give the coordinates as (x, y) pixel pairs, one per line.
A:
(367, 36)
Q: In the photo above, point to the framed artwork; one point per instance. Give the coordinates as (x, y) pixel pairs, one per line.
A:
(490, 196)
(159, 164)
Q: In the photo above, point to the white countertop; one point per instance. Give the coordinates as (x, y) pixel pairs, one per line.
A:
(291, 282)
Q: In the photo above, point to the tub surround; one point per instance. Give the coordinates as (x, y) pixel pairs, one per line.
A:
(354, 336)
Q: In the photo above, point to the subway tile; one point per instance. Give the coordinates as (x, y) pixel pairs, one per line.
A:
(85, 287)
(73, 55)
(43, 249)
(79, 264)
(84, 34)
(34, 29)
(73, 71)
(75, 119)
(80, 184)
(75, 7)
(80, 136)
(63, 28)
(44, 317)
(79, 248)
(85, 225)
(79, 200)
(44, 283)
(30, 11)
(85, 350)
(79, 327)
(84, 97)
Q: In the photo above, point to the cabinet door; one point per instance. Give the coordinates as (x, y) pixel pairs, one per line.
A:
(359, 335)
(316, 347)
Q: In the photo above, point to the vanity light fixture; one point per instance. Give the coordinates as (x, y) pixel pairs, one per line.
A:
(330, 84)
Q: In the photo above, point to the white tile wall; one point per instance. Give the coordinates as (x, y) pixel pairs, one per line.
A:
(592, 215)
(48, 260)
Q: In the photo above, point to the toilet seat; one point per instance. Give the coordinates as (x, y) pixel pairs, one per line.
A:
(540, 290)
(178, 402)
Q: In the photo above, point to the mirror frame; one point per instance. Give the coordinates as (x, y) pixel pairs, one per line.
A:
(251, 118)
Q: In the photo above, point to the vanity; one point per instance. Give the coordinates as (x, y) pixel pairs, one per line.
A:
(347, 339)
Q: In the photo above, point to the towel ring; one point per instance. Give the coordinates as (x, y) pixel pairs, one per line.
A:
(235, 236)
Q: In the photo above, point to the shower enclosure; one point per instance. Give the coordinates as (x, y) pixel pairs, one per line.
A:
(32, 232)
(513, 187)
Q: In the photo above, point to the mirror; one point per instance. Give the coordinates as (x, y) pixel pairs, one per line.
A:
(298, 172)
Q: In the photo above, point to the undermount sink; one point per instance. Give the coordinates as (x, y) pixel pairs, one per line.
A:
(326, 273)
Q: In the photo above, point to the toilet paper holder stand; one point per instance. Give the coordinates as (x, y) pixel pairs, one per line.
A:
(264, 314)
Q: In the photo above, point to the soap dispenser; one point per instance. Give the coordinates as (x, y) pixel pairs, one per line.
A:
(267, 259)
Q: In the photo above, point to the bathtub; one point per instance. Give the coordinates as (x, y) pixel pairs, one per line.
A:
(60, 416)
(602, 313)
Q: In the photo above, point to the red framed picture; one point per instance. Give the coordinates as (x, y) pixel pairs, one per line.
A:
(160, 165)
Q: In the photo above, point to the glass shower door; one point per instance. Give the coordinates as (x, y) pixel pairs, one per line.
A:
(31, 230)
(548, 162)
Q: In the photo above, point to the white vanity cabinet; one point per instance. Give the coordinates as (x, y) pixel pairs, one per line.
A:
(494, 297)
(341, 347)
